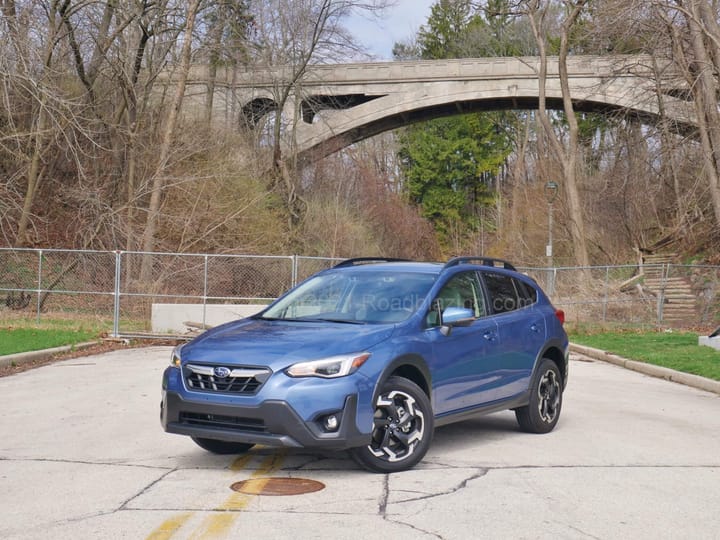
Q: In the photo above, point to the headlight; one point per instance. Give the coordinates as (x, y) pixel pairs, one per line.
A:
(175, 356)
(329, 368)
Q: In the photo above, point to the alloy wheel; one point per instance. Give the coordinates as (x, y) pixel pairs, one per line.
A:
(549, 394)
(399, 426)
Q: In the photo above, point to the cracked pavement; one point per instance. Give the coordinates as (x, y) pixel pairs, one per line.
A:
(83, 455)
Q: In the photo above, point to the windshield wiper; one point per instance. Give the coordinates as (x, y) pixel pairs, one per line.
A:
(309, 319)
(344, 321)
(290, 319)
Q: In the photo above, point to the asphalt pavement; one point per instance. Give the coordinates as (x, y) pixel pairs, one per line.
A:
(82, 455)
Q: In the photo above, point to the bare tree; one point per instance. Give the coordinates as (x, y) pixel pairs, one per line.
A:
(290, 36)
(566, 154)
(704, 38)
(148, 242)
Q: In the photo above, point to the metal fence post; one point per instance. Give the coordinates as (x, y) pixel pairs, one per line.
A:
(661, 295)
(205, 291)
(39, 285)
(552, 277)
(294, 270)
(116, 294)
(607, 292)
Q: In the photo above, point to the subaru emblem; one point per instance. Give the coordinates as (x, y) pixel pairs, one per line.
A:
(221, 372)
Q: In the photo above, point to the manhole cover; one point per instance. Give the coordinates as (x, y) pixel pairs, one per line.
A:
(277, 486)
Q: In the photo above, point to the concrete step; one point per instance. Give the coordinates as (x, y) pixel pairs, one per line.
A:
(656, 256)
(680, 303)
(676, 294)
(666, 290)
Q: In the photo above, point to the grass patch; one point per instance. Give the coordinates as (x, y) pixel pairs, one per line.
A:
(674, 350)
(16, 340)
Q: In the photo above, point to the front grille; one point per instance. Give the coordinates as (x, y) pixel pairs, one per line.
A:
(223, 422)
(218, 379)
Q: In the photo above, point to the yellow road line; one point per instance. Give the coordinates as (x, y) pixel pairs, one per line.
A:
(215, 526)
(169, 527)
(238, 501)
(240, 463)
(218, 524)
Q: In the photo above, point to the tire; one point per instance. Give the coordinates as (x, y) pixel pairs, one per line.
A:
(543, 411)
(403, 428)
(222, 447)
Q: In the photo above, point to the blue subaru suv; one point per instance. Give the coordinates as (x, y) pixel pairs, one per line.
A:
(371, 356)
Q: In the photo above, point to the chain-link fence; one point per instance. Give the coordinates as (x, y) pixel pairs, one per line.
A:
(122, 291)
(119, 290)
(657, 294)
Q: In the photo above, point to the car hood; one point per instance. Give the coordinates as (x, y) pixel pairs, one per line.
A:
(277, 344)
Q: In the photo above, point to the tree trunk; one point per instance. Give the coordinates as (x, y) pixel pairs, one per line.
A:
(216, 32)
(706, 106)
(567, 158)
(158, 183)
(34, 173)
(572, 192)
(34, 176)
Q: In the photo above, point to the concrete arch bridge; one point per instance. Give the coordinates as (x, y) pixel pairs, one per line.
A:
(333, 106)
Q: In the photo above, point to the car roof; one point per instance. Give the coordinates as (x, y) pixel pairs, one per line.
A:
(395, 266)
(371, 264)
(455, 265)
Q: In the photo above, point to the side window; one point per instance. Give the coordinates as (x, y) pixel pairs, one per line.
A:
(462, 290)
(503, 296)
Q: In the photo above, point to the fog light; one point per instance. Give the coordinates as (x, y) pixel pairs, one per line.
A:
(331, 422)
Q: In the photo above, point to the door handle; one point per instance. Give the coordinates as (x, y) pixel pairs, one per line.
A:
(490, 336)
(535, 328)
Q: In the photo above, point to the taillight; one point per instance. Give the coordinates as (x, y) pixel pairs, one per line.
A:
(560, 314)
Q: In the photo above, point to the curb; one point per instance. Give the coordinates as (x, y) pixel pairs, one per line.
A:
(695, 381)
(31, 356)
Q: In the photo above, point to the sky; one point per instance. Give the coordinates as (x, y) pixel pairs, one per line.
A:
(400, 23)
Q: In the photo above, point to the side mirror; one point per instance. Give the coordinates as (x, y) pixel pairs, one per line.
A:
(456, 316)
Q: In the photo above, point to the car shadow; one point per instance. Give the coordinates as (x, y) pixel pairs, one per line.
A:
(469, 434)
(473, 432)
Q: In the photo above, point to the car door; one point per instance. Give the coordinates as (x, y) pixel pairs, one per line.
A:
(464, 362)
(521, 330)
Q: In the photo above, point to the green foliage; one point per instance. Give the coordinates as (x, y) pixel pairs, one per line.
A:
(458, 29)
(447, 24)
(449, 165)
(674, 350)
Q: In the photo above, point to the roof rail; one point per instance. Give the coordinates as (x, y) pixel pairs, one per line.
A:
(367, 260)
(485, 261)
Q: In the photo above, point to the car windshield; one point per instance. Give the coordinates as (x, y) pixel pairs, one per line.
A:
(364, 297)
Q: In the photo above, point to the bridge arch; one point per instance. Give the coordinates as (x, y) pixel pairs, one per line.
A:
(341, 104)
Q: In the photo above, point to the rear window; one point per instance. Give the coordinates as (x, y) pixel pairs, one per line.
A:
(508, 293)
(527, 293)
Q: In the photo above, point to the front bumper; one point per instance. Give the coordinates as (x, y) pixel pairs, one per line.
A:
(272, 423)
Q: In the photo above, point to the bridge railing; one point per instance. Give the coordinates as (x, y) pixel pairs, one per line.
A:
(102, 289)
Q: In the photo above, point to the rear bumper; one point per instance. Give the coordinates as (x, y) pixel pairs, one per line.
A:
(272, 423)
